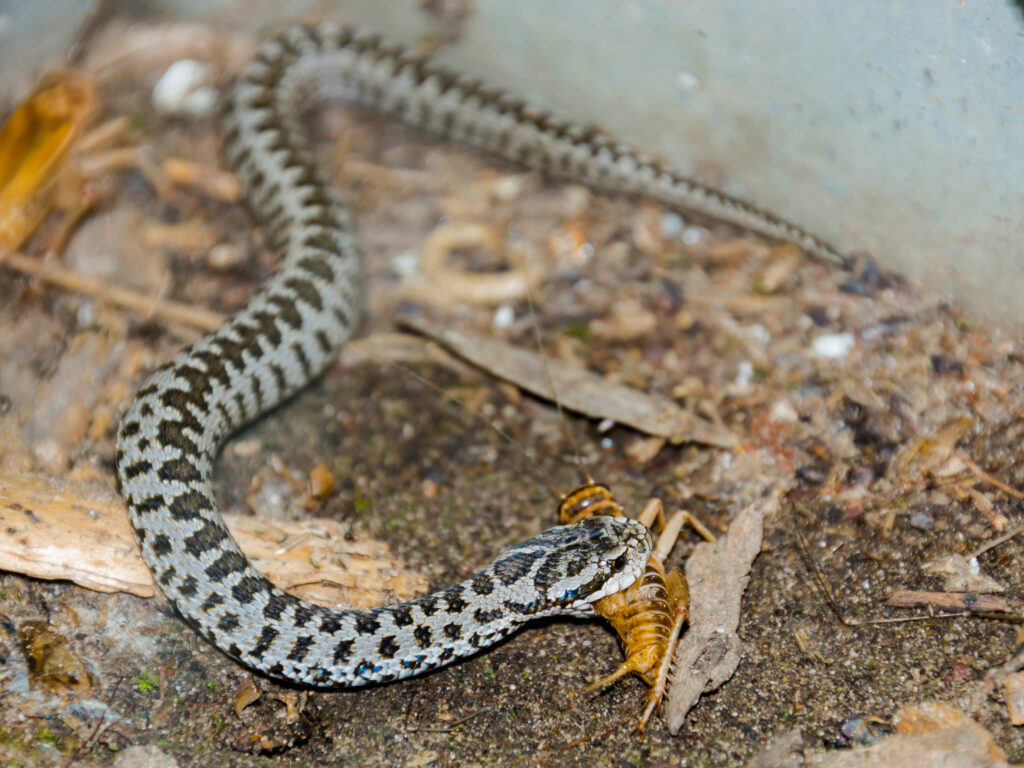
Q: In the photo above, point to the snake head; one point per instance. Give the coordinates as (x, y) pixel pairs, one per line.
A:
(573, 566)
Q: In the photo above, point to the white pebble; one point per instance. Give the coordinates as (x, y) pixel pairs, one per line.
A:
(833, 345)
(406, 263)
(693, 235)
(783, 412)
(672, 225)
(504, 316)
(744, 373)
(184, 89)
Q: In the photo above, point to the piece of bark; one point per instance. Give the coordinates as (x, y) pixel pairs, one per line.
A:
(948, 601)
(1013, 692)
(59, 531)
(709, 651)
(578, 389)
(928, 736)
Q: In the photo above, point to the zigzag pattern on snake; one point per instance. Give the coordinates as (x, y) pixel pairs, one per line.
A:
(290, 332)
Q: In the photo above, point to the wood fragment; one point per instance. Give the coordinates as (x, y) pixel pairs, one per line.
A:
(63, 531)
(146, 306)
(578, 389)
(214, 182)
(1013, 692)
(948, 601)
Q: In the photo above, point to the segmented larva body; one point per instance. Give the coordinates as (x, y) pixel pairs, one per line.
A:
(647, 616)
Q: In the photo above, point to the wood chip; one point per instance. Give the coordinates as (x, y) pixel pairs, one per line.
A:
(61, 531)
(218, 184)
(1013, 692)
(578, 389)
(948, 601)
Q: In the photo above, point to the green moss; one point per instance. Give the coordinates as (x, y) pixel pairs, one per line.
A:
(147, 683)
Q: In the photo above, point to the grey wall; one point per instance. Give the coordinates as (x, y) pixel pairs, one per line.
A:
(894, 128)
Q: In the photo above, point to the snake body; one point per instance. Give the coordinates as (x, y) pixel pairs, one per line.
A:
(290, 332)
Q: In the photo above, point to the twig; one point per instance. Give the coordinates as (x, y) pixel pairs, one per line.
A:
(997, 541)
(448, 728)
(146, 306)
(94, 735)
(1008, 490)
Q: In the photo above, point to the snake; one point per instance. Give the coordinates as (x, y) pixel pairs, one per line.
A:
(292, 329)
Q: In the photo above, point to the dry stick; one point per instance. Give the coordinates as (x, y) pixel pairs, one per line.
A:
(146, 306)
(997, 541)
(1008, 490)
(90, 742)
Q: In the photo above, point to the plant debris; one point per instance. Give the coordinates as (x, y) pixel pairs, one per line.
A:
(575, 388)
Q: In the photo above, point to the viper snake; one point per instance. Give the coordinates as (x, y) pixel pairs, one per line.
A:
(291, 330)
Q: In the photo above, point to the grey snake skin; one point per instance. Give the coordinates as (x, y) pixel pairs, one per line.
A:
(291, 331)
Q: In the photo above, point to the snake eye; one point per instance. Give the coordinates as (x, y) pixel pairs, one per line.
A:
(620, 562)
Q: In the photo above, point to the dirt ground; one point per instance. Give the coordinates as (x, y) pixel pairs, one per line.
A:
(890, 419)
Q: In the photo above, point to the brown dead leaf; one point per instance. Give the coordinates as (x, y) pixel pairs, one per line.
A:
(709, 651)
(577, 388)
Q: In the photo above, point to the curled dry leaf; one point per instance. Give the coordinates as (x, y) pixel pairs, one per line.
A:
(709, 651)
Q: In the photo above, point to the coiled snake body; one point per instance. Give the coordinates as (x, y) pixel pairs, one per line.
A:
(290, 331)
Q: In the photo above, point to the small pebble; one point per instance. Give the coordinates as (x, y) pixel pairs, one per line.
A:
(184, 89)
(783, 412)
(833, 345)
(406, 263)
(744, 373)
(672, 225)
(504, 316)
(693, 235)
(922, 520)
(225, 256)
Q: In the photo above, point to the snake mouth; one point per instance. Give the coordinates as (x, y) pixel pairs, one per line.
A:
(629, 564)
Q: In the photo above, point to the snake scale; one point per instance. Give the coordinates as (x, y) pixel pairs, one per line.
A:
(291, 330)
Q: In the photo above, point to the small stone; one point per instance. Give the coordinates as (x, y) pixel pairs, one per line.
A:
(184, 89)
(833, 345)
(504, 316)
(922, 520)
(225, 256)
(672, 224)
